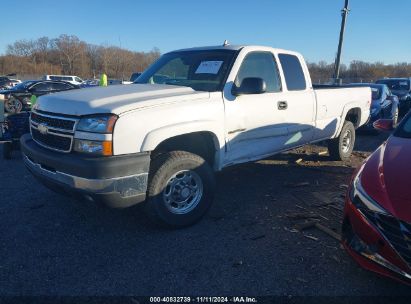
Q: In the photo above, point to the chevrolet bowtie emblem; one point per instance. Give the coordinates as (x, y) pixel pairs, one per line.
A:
(43, 129)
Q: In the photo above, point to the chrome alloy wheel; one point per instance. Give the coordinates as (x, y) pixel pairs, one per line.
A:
(13, 105)
(346, 141)
(183, 192)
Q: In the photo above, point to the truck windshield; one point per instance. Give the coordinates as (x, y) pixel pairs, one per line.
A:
(396, 84)
(199, 70)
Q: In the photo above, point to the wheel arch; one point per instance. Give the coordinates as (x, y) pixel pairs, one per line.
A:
(351, 113)
(199, 140)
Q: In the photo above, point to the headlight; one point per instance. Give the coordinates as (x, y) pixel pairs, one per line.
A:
(97, 124)
(359, 196)
(102, 148)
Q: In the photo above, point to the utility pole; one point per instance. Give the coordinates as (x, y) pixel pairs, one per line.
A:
(344, 14)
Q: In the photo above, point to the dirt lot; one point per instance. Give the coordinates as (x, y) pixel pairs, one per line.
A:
(246, 245)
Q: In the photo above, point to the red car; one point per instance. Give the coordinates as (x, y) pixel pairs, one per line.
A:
(377, 215)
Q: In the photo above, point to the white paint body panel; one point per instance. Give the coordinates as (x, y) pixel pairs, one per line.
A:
(244, 128)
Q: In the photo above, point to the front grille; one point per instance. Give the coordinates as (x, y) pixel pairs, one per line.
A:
(53, 122)
(52, 141)
(397, 232)
(57, 132)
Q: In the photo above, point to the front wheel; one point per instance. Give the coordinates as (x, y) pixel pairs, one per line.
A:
(340, 148)
(180, 190)
(13, 105)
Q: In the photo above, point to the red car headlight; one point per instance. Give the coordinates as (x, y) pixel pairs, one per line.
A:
(361, 198)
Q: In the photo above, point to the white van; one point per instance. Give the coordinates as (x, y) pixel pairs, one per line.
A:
(72, 79)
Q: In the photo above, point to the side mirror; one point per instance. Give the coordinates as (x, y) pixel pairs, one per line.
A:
(251, 85)
(384, 124)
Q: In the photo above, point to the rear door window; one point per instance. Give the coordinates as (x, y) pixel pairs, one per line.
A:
(55, 77)
(41, 87)
(293, 72)
(58, 86)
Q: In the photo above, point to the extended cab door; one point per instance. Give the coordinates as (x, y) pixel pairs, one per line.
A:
(254, 123)
(300, 98)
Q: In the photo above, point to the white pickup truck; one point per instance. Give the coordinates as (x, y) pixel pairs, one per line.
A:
(193, 112)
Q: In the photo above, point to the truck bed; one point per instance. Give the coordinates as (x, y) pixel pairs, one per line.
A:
(333, 102)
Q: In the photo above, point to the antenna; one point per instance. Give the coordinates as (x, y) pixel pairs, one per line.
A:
(226, 43)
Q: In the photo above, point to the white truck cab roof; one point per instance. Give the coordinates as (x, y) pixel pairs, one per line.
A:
(236, 48)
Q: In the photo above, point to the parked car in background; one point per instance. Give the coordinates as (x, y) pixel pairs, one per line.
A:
(14, 82)
(72, 79)
(377, 215)
(384, 104)
(118, 81)
(89, 83)
(134, 76)
(18, 98)
(5, 82)
(400, 87)
(161, 142)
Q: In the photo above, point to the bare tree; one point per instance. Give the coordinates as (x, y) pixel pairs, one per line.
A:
(70, 48)
(67, 54)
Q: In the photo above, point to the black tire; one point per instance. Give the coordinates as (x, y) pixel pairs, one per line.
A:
(7, 150)
(13, 105)
(167, 189)
(339, 148)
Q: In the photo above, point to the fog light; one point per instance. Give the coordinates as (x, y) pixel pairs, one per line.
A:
(104, 148)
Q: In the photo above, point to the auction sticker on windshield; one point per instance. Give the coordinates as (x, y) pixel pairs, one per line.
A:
(209, 67)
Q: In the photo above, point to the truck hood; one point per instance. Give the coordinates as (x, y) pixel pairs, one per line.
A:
(115, 99)
(386, 177)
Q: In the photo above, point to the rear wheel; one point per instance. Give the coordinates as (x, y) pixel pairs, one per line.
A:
(340, 148)
(181, 189)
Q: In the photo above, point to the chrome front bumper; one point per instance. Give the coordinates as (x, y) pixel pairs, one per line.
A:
(125, 186)
(128, 190)
(118, 181)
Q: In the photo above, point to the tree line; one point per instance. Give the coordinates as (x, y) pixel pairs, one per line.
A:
(358, 71)
(69, 55)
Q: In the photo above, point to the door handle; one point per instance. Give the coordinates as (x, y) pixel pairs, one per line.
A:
(282, 105)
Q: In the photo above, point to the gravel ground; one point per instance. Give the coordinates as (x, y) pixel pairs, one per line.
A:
(246, 245)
